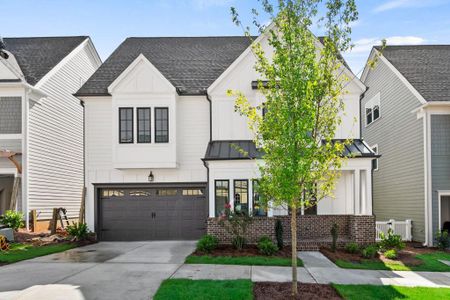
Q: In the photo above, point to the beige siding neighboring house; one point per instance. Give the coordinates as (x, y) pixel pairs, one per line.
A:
(49, 71)
(411, 87)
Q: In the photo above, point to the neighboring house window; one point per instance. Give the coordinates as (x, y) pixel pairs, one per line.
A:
(161, 125)
(221, 196)
(143, 125)
(372, 109)
(241, 195)
(126, 125)
(375, 161)
(258, 208)
(10, 115)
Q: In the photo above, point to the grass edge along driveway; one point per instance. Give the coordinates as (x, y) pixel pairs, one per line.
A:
(242, 260)
(19, 252)
(189, 289)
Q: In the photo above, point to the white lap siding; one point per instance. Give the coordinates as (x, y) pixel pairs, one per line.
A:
(55, 138)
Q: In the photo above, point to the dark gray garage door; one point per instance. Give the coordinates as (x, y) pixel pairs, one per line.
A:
(156, 213)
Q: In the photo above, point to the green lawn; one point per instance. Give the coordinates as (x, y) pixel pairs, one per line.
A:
(241, 260)
(20, 252)
(368, 292)
(430, 263)
(186, 289)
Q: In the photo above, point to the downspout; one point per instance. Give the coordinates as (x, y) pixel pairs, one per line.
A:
(210, 140)
(84, 192)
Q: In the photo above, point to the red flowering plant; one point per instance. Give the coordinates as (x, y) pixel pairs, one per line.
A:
(236, 224)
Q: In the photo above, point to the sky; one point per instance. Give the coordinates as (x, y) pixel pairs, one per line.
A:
(109, 22)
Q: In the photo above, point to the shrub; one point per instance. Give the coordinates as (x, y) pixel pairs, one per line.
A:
(370, 251)
(207, 243)
(12, 219)
(266, 246)
(279, 233)
(442, 239)
(352, 247)
(236, 224)
(78, 231)
(334, 236)
(390, 254)
(391, 241)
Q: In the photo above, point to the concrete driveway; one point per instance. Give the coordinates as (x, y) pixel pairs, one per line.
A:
(107, 270)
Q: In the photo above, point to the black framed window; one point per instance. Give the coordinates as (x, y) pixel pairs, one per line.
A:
(222, 194)
(258, 207)
(161, 125)
(369, 116)
(241, 195)
(375, 161)
(376, 112)
(126, 125)
(143, 125)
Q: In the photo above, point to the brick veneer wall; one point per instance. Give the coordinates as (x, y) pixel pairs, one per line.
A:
(360, 229)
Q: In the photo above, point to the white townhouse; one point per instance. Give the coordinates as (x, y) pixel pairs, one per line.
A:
(161, 139)
(41, 124)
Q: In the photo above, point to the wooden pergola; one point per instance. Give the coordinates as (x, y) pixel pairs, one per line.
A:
(11, 155)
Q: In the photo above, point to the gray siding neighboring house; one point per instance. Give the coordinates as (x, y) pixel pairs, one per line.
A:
(398, 184)
(440, 162)
(412, 134)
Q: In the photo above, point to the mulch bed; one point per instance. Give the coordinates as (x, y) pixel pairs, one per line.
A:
(406, 256)
(249, 250)
(281, 291)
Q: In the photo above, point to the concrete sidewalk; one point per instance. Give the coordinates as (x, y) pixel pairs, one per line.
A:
(315, 275)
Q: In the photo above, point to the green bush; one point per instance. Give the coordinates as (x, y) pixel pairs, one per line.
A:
(12, 219)
(78, 231)
(334, 236)
(279, 233)
(390, 254)
(369, 251)
(266, 246)
(442, 239)
(207, 243)
(391, 241)
(352, 247)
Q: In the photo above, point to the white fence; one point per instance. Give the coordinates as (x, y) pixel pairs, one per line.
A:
(402, 228)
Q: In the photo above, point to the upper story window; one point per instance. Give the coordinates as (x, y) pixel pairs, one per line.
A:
(161, 125)
(126, 125)
(372, 109)
(10, 115)
(375, 161)
(143, 125)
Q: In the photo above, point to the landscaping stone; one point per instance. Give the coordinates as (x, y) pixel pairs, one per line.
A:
(8, 233)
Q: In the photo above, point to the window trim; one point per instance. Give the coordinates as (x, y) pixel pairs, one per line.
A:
(376, 159)
(234, 193)
(137, 124)
(215, 192)
(371, 104)
(132, 125)
(253, 199)
(168, 138)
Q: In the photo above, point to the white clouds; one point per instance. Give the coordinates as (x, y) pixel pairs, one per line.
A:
(365, 45)
(393, 4)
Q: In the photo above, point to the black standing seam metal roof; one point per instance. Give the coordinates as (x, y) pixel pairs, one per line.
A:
(230, 150)
(426, 67)
(191, 64)
(36, 56)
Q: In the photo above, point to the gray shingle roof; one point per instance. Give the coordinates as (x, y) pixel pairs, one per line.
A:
(36, 56)
(191, 64)
(426, 67)
(231, 150)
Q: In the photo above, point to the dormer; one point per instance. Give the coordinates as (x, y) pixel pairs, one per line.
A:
(144, 118)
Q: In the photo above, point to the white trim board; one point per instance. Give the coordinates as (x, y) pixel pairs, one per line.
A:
(440, 194)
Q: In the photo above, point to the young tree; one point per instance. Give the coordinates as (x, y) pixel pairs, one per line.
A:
(302, 83)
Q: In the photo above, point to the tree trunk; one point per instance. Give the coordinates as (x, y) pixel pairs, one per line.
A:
(294, 250)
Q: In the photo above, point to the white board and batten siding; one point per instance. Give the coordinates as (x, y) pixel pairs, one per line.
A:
(107, 161)
(55, 136)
